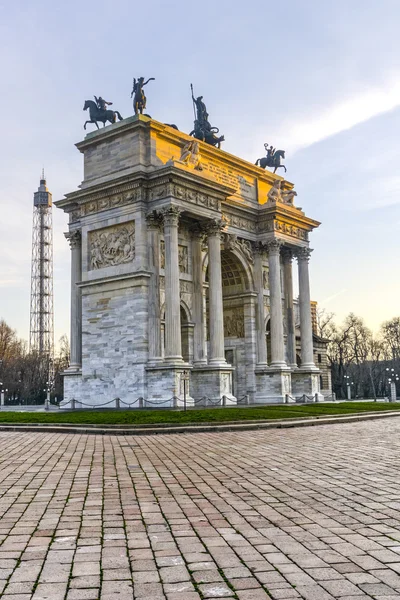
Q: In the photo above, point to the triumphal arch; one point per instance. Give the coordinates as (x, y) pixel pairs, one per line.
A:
(182, 258)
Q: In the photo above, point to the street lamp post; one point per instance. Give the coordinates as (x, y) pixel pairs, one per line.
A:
(47, 400)
(347, 377)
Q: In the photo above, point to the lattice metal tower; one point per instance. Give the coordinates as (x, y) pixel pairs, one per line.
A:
(41, 336)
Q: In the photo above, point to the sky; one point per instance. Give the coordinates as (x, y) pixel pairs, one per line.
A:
(319, 80)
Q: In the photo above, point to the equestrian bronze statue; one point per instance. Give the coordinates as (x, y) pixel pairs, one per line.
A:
(99, 113)
(273, 159)
(203, 130)
(139, 99)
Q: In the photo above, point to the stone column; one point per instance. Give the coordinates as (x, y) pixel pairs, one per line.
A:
(275, 292)
(75, 242)
(173, 345)
(199, 354)
(216, 309)
(153, 234)
(141, 241)
(259, 281)
(307, 349)
(288, 285)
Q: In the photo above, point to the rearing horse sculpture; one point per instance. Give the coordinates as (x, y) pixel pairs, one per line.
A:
(100, 115)
(273, 161)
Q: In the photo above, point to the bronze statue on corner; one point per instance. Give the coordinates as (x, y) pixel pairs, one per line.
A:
(203, 130)
(273, 159)
(139, 99)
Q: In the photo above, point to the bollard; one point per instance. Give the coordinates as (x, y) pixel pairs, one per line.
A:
(247, 399)
(140, 402)
(223, 400)
(175, 401)
(73, 403)
(316, 397)
(117, 403)
(286, 398)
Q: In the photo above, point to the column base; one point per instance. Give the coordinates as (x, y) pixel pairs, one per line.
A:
(306, 382)
(272, 385)
(217, 362)
(213, 384)
(308, 367)
(73, 369)
(172, 360)
(278, 365)
(155, 360)
(165, 386)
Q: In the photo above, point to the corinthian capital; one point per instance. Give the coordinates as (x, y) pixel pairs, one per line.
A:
(154, 220)
(171, 215)
(287, 255)
(274, 246)
(303, 254)
(74, 238)
(260, 248)
(214, 226)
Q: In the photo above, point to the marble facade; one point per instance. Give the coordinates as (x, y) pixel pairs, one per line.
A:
(177, 269)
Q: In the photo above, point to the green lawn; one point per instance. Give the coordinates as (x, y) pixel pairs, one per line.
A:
(207, 415)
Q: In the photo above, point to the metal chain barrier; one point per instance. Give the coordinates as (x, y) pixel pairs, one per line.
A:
(177, 402)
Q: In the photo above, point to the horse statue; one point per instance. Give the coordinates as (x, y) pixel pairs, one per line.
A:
(272, 160)
(207, 134)
(100, 115)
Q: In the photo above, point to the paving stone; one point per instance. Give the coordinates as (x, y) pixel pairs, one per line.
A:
(215, 590)
(313, 592)
(174, 574)
(331, 528)
(252, 595)
(375, 589)
(341, 588)
(82, 594)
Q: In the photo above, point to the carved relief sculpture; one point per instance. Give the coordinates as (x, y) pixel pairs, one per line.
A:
(234, 323)
(112, 246)
(190, 155)
(288, 196)
(265, 278)
(183, 259)
(245, 247)
(162, 254)
(275, 194)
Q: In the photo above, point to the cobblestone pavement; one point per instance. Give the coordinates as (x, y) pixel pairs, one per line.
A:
(307, 513)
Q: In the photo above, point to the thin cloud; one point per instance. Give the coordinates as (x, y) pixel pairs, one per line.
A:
(343, 116)
(333, 297)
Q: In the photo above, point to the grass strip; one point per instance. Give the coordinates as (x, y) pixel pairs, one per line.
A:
(206, 415)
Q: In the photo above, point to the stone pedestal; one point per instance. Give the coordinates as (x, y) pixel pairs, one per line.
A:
(213, 384)
(165, 387)
(272, 385)
(306, 381)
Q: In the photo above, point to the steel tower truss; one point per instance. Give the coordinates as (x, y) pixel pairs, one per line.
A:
(41, 336)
